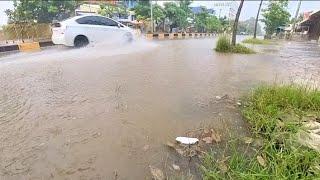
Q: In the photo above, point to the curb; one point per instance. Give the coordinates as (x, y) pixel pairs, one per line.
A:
(151, 36)
(24, 47)
(33, 46)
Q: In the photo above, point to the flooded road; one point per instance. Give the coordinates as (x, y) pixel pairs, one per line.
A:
(105, 113)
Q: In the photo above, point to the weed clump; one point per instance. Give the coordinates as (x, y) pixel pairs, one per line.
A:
(256, 41)
(275, 114)
(224, 46)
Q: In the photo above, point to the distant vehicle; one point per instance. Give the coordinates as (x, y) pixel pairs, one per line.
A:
(80, 31)
(244, 33)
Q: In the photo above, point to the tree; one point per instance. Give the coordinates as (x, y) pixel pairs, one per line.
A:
(110, 10)
(158, 15)
(257, 19)
(275, 15)
(213, 24)
(201, 19)
(176, 15)
(235, 24)
(225, 23)
(142, 10)
(41, 11)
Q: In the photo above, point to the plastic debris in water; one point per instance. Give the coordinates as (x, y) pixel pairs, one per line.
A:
(187, 140)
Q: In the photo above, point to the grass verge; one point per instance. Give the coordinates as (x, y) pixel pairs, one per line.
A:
(224, 46)
(256, 41)
(275, 114)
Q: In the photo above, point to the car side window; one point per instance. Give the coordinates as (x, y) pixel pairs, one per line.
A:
(107, 22)
(87, 20)
(96, 20)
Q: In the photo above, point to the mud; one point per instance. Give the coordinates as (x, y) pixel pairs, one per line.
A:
(104, 112)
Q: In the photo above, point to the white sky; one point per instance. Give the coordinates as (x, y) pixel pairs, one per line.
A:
(249, 8)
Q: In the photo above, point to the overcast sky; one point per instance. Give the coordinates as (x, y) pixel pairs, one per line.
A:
(249, 8)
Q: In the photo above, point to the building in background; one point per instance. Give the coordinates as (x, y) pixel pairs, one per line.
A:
(93, 7)
(198, 9)
(311, 25)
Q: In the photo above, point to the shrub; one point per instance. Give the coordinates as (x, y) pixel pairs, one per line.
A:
(238, 48)
(256, 41)
(26, 31)
(223, 44)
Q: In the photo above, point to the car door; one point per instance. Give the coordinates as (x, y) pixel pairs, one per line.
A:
(92, 27)
(113, 31)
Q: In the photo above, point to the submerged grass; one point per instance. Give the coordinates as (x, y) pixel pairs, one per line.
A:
(224, 45)
(275, 114)
(256, 41)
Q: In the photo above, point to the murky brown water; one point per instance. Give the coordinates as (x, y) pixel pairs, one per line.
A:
(96, 112)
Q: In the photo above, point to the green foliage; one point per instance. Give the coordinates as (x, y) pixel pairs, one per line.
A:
(256, 41)
(275, 113)
(275, 15)
(224, 45)
(109, 10)
(40, 11)
(225, 23)
(142, 10)
(177, 16)
(213, 24)
(201, 19)
(241, 49)
(204, 22)
(247, 26)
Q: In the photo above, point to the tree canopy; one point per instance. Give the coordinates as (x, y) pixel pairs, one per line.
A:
(43, 11)
(275, 15)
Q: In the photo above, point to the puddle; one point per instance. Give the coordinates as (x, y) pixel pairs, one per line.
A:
(106, 112)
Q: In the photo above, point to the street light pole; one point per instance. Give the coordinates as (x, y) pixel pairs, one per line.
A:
(151, 16)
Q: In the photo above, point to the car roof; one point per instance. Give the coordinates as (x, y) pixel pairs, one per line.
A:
(86, 15)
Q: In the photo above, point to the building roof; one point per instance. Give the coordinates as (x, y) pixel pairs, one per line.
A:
(198, 9)
(315, 16)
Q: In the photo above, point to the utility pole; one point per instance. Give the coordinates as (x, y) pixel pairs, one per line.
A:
(296, 17)
(151, 16)
(256, 23)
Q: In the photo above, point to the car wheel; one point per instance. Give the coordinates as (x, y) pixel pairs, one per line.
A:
(81, 41)
(128, 37)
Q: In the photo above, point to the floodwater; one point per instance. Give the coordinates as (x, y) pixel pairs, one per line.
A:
(105, 112)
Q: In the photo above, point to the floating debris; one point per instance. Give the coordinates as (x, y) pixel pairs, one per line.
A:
(261, 161)
(156, 173)
(187, 140)
(176, 167)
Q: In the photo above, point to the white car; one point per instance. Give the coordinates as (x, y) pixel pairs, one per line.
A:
(79, 31)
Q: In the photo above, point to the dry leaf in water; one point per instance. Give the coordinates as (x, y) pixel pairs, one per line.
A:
(248, 140)
(208, 140)
(215, 136)
(156, 173)
(261, 161)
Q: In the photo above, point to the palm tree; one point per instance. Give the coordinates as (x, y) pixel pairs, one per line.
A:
(257, 19)
(235, 24)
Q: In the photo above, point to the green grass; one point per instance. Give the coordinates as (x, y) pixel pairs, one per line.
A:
(275, 113)
(256, 41)
(238, 48)
(224, 46)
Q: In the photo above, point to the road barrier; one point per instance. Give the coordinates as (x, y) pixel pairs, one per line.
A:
(161, 36)
(29, 46)
(25, 47)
